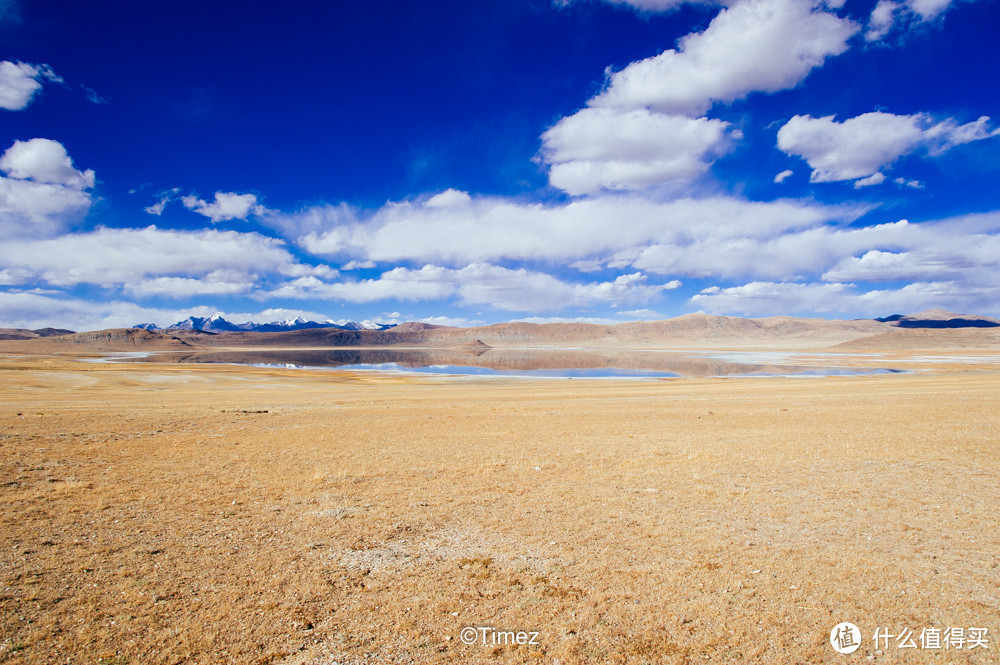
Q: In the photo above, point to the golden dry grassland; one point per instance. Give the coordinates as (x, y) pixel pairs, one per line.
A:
(157, 513)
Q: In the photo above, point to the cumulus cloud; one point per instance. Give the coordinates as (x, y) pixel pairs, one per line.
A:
(718, 237)
(779, 298)
(967, 246)
(478, 284)
(31, 310)
(20, 81)
(41, 192)
(764, 298)
(44, 161)
(449, 198)
(879, 266)
(606, 148)
(753, 46)
(858, 148)
(645, 128)
(226, 206)
(494, 229)
(111, 257)
(949, 263)
(217, 282)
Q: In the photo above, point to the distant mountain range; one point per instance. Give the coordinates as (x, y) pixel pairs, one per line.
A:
(932, 318)
(216, 324)
(930, 329)
(688, 329)
(940, 318)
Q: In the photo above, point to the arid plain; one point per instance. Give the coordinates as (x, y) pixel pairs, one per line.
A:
(198, 513)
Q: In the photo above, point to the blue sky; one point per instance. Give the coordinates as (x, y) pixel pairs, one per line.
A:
(473, 161)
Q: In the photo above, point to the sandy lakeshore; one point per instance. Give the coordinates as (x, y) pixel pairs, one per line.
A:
(163, 513)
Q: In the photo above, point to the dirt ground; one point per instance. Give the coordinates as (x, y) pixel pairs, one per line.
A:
(154, 513)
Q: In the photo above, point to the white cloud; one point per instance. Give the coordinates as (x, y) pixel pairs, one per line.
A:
(449, 199)
(967, 246)
(763, 298)
(20, 81)
(860, 147)
(722, 238)
(753, 46)
(950, 263)
(596, 320)
(272, 314)
(890, 16)
(879, 266)
(455, 322)
(357, 265)
(217, 282)
(44, 161)
(604, 148)
(157, 208)
(427, 283)
(32, 209)
(947, 134)
(111, 257)
(587, 265)
(226, 206)
(781, 298)
(478, 284)
(165, 197)
(783, 176)
(873, 179)
(494, 229)
(29, 310)
(643, 315)
(912, 184)
(928, 9)
(41, 193)
(15, 276)
(882, 19)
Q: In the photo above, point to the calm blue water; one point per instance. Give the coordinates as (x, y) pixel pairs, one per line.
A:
(587, 373)
(464, 370)
(526, 363)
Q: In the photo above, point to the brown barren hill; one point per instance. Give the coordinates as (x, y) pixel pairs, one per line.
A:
(24, 333)
(928, 338)
(115, 339)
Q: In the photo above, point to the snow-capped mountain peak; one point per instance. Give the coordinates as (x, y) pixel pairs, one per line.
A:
(216, 323)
